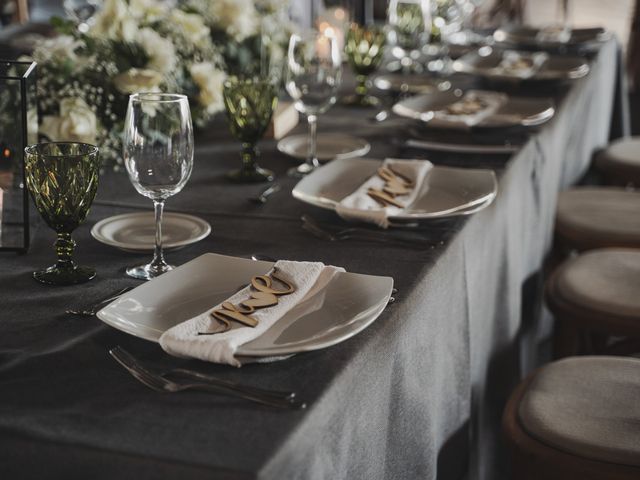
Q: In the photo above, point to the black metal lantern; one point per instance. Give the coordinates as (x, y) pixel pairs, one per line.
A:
(18, 128)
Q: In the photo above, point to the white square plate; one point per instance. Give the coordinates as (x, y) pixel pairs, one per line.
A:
(349, 304)
(446, 192)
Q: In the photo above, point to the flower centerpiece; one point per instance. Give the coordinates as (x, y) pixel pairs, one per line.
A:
(131, 46)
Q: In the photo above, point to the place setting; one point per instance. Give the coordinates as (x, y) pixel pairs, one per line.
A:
(473, 121)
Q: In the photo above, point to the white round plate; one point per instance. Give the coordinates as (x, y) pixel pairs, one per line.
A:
(330, 146)
(135, 232)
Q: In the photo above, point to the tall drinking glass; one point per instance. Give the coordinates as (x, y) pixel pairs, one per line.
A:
(158, 155)
(313, 77)
(249, 103)
(63, 179)
(410, 27)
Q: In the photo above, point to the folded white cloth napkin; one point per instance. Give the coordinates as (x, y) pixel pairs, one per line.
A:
(521, 64)
(492, 100)
(360, 206)
(183, 340)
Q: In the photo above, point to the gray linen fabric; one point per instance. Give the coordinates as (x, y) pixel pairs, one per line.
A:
(416, 395)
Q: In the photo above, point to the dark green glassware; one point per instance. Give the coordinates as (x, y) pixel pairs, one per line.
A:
(63, 179)
(364, 48)
(249, 103)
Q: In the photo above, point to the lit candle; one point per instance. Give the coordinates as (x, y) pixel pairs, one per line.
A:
(337, 19)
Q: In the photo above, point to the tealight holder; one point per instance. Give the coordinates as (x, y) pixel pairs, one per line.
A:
(18, 128)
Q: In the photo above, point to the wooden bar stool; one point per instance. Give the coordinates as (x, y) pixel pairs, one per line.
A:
(576, 419)
(620, 162)
(593, 297)
(592, 217)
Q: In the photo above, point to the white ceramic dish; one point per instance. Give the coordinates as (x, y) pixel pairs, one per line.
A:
(447, 191)
(414, 84)
(486, 62)
(330, 146)
(349, 304)
(135, 232)
(439, 146)
(515, 112)
(529, 37)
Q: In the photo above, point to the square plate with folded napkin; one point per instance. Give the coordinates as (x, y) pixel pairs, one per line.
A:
(342, 185)
(475, 109)
(500, 64)
(552, 37)
(328, 306)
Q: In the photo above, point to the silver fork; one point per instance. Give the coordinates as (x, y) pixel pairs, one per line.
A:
(161, 384)
(355, 233)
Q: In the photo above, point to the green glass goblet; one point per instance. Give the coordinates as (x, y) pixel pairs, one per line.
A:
(249, 103)
(63, 180)
(365, 48)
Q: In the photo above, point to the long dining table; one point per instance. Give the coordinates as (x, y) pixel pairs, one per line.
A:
(418, 394)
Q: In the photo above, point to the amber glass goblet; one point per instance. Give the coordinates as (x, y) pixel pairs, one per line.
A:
(63, 179)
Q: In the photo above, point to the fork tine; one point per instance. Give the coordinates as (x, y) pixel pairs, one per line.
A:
(151, 380)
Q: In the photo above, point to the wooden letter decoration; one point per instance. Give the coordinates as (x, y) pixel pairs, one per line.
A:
(394, 185)
(262, 294)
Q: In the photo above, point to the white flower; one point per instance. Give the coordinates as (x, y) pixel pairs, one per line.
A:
(114, 21)
(147, 10)
(192, 26)
(57, 49)
(209, 80)
(238, 18)
(161, 52)
(138, 80)
(76, 123)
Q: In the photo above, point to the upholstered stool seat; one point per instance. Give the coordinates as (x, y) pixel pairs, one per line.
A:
(589, 218)
(578, 418)
(620, 162)
(596, 292)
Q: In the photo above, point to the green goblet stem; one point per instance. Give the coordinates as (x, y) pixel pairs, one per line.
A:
(361, 88)
(64, 246)
(249, 155)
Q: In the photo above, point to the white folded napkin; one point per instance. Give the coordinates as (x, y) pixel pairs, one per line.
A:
(360, 206)
(521, 64)
(183, 340)
(492, 102)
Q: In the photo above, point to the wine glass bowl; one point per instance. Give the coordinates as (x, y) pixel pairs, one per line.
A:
(365, 49)
(62, 179)
(158, 156)
(314, 74)
(249, 103)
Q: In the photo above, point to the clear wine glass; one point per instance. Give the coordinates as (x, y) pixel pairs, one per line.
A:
(410, 28)
(313, 78)
(158, 155)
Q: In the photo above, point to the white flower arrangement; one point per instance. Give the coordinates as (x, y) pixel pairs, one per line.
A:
(132, 46)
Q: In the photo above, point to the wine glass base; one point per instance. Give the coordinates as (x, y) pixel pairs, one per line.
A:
(73, 275)
(361, 101)
(148, 271)
(251, 175)
(301, 170)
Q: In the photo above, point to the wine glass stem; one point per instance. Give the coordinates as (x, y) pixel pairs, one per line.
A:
(64, 246)
(361, 87)
(158, 257)
(312, 157)
(248, 156)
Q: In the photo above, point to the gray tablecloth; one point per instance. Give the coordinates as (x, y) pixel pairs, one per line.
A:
(416, 395)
